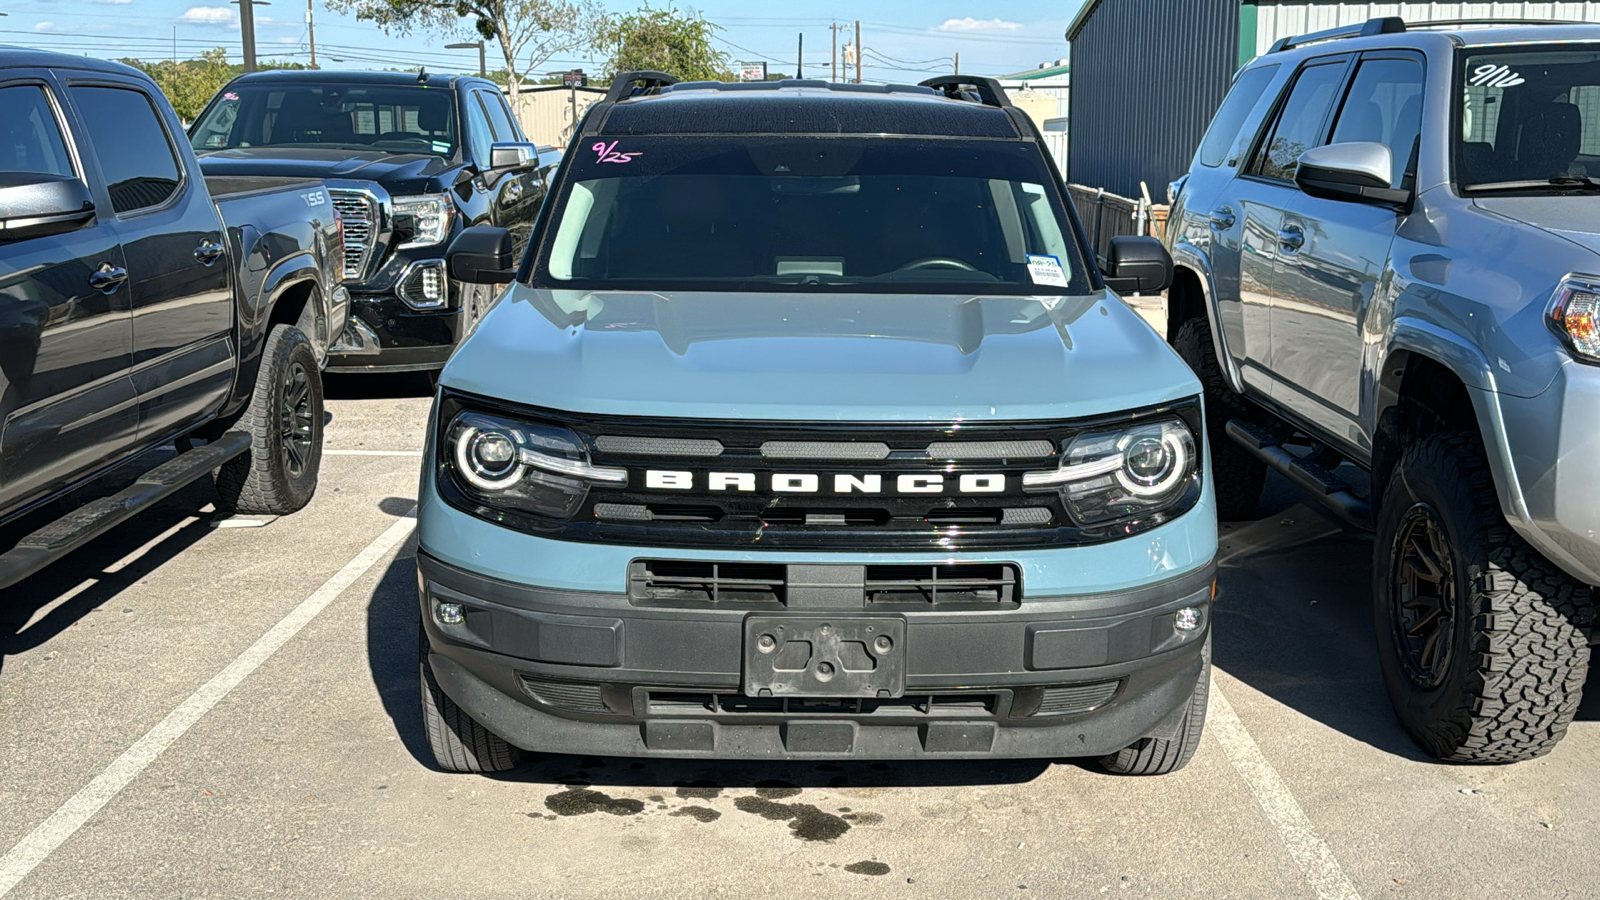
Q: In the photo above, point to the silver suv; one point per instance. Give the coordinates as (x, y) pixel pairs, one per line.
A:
(1387, 259)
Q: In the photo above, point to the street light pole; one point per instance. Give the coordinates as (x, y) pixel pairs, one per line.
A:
(483, 61)
(247, 29)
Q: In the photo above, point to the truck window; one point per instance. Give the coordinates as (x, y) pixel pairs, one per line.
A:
(1384, 106)
(499, 116)
(30, 137)
(1299, 124)
(390, 118)
(1223, 134)
(479, 134)
(136, 158)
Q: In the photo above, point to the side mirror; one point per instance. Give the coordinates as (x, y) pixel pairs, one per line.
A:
(1356, 172)
(35, 205)
(512, 157)
(1137, 265)
(482, 255)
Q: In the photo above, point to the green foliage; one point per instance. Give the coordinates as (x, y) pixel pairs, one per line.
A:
(191, 83)
(663, 40)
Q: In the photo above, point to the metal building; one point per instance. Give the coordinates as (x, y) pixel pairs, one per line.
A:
(1148, 74)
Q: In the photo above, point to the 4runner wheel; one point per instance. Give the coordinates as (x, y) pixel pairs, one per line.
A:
(1237, 476)
(458, 742)
(279, 473)
(1481, 640)
(1157, 756)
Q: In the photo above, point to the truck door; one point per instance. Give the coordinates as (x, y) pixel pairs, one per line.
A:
(183, 354)
(517, 195)
(1250, 217)
(1324, 290)
(66, 403)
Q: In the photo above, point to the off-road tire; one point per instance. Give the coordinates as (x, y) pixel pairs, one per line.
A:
(1511, 674)
(1237, 476)
(458, 742)
(273, 478)
(1161, 756)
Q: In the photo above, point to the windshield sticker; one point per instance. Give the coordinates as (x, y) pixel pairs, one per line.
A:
(1046, 270)
(1495, 76)
(441, 146)
(607, 153)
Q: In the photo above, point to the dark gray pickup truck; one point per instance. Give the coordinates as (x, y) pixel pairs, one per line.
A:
(143, 305)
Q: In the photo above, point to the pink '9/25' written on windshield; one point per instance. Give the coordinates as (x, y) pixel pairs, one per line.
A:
(607, 153)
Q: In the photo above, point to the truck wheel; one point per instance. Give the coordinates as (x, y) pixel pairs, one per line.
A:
(1481, 640)
(1237, 476)
(279, 473)
(1157, 756)
(458, 742)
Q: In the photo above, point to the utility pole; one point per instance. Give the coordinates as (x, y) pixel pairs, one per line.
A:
(958, 63)
(311, 34)
(833, 62)
(247, 30)
(799, 58)
(859, 54)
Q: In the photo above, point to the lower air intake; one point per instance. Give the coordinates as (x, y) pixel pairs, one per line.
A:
(564, 694)
(1075, 698)
(980, 583)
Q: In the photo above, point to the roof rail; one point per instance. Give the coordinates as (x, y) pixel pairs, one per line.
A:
(970, 87)
(1455, 23)
(1385, 25)
(634, 84)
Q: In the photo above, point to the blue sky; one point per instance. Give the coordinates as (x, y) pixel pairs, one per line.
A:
(903, 38)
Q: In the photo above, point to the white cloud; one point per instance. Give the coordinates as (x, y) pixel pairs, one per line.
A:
(207, 15)
(970, 24)
(44, 26)
(113, 2)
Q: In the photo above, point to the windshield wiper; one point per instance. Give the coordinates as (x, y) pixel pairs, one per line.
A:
(1560, 182)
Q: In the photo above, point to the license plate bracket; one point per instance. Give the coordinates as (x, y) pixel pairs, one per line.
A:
(824, 656)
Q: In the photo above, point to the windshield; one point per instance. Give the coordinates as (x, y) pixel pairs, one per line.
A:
(395, 119)
(1529, 119)
(843, 214)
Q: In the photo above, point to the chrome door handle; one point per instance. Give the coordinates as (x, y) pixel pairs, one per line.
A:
(1291, 238)
(208, 252)
(1222, 218)
(108, 278)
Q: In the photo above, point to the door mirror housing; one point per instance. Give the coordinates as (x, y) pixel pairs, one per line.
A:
(512, 156)
(482, 254)
(1137, 265)
(38, 205)
(1355, 172)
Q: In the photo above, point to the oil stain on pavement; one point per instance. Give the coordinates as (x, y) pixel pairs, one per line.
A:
(806, 821)
(867, 867)
(582, 801)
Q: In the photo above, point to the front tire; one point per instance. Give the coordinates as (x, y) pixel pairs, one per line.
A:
(458, 742)
(1159, 756)
(278, 475)
(1482, 641)
(1237, 476)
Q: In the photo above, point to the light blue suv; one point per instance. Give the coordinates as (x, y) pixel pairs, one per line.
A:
(808, 430)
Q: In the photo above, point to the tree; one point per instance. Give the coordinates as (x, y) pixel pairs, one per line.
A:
(528, 32)
(191, 83)
(663, 40)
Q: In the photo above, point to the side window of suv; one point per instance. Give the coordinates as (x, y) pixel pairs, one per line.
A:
(1384, 106)
(1299, 125)
(1223, 135)
(135, 154)
(30, 137)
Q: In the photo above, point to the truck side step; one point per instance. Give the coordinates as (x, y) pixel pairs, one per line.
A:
(95, 518)
(1324, 486)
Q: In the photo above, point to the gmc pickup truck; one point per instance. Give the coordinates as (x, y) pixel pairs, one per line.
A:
(143, 305)
(411, 160)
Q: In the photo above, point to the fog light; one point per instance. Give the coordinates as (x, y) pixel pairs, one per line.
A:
(1187, 619)
(423, 285)
(452, 613)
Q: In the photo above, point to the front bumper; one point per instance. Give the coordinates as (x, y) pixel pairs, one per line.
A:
(588, 672)
(386, 335)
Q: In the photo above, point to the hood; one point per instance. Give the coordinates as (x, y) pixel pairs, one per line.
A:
(1576, 218)
(392, 170)
(811, 357)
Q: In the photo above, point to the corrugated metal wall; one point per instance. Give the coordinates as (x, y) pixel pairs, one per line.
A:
(547, 115)
(1277, 20)
(1146, 77)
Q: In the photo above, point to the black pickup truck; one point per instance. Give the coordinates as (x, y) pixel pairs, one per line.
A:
(410, 159)
(143, 305)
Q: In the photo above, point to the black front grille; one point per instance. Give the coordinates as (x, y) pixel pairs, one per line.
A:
(1075, 698)
(959, 705)
(680, 583)
(921, 585)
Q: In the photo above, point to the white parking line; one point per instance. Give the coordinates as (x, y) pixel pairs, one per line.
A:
(65, 821)
(372, 453)
(1294, 829)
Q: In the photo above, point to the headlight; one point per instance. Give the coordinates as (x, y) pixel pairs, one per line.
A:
(1575, 315)
(1125, 473)
(521, 466)
(423, 221)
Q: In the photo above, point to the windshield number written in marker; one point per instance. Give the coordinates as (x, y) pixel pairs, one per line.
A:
(607, 153)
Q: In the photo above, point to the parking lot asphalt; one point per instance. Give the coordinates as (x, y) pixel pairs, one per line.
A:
(195, 706)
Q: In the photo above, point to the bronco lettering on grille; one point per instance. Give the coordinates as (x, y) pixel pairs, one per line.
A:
(806, 483)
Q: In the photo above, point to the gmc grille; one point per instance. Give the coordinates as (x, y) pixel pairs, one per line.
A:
(360, 227)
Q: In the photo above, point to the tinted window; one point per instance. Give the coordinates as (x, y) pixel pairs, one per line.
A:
(1299, 125)
(394, 119)
(1384, 106)
(135, 156)
(814, 215)
(30, 137)
(1223, 134)
(479, 136)
(498, 117)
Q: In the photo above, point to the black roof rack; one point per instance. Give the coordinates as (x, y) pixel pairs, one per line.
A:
(1385, 25)
(970, 87)
(633, 84)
